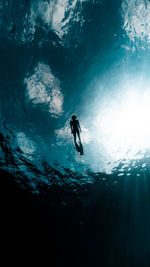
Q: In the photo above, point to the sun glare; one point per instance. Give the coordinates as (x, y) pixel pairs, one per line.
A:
(125, 124)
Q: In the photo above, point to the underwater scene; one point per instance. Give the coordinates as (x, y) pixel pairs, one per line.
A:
(75, 132)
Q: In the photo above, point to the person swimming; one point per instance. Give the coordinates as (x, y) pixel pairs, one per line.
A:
(75, 128)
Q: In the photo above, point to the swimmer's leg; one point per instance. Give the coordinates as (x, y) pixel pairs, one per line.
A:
(79, 136)
(74, 135)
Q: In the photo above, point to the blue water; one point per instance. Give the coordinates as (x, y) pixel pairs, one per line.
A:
(89, 58)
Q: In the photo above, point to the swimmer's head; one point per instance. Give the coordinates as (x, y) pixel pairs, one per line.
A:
(73, 117)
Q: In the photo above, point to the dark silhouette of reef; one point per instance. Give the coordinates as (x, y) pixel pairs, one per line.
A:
(103, 223)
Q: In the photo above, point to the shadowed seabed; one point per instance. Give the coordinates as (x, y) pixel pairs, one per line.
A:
(90, 58)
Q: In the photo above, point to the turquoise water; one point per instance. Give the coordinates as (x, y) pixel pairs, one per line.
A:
(89, 58)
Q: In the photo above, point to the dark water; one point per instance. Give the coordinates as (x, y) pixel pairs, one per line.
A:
(90, 58)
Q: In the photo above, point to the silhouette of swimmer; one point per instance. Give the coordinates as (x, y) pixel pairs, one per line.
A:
(75, 130)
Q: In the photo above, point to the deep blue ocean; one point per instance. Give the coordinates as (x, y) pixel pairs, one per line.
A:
(64, 202)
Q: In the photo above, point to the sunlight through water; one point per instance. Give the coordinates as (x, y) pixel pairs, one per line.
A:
(125, 124)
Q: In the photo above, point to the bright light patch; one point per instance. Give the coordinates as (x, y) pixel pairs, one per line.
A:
(58, 15)
(136, 16)
(43, 87)
(124, 127)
